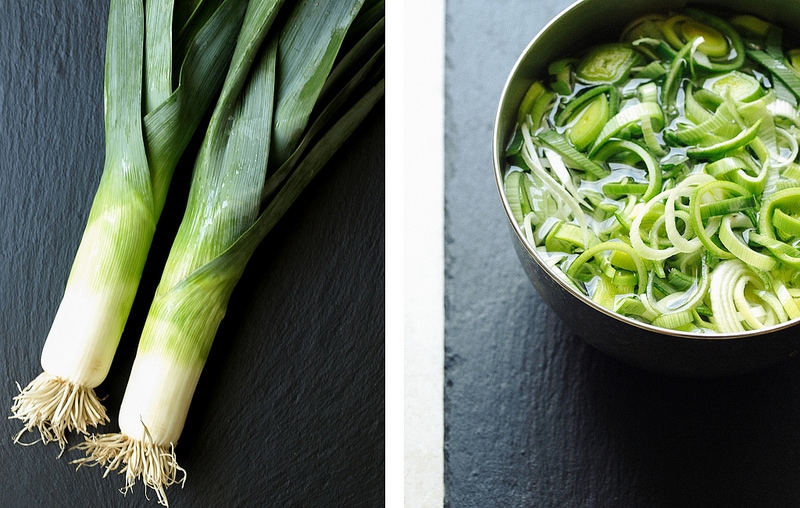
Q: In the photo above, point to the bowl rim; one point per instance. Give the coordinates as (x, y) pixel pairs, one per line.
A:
(499, 165)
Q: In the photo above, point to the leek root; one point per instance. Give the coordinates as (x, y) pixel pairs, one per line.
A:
(55, 406)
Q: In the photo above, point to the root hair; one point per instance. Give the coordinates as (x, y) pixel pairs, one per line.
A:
(54, 406)
(155, 465)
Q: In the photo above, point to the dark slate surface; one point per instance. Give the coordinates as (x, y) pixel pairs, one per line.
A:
(533, 416)
(289, 410)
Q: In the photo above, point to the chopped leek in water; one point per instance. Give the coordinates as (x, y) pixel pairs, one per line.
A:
(675, 161)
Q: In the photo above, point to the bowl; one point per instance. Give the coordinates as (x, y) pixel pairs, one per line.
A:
(691, 354)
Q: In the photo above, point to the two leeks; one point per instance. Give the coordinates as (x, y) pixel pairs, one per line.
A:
(148, 123)
(303, 76)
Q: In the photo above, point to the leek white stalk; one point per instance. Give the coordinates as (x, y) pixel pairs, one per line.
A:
(225, 220)
(105, 275)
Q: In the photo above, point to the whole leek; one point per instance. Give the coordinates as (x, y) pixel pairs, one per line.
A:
(242, 185)
(141, 155)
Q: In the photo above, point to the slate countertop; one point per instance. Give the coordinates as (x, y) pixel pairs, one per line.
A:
(289, 409)
(534, 416)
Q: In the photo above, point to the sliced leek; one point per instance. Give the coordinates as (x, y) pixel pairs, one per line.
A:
(675, 197)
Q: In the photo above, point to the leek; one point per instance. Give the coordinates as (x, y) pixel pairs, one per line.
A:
(141, 156)
(279, 59)
(676, 203)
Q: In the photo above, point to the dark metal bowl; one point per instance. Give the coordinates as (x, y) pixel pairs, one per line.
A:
(585, 23)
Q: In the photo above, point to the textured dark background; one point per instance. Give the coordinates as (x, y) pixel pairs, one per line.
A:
(289, 410)
(533, 416)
